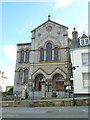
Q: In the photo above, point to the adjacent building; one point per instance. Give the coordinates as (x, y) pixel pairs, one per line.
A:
(2, 81)
(44, 60)
(89, 18)
(80, 57)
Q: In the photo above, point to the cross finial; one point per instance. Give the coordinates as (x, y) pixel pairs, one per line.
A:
(48, 17)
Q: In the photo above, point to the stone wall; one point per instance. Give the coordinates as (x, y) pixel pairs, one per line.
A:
(47, 103)
(37, 94)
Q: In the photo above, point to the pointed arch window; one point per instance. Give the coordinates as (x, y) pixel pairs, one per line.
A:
(26, 76)
(49, 52)
(20, 75)
(56, 54)
(41, 54)
(22, 56)
(27, 56)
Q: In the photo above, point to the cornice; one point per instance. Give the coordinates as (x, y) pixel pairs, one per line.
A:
(20, 44)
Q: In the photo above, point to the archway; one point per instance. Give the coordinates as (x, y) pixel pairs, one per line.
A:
(58, 82)
(39, 79)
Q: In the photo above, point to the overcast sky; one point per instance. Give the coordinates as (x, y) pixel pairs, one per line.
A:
(20, 18)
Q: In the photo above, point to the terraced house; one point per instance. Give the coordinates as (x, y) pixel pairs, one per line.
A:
(80, 56)
(44, 60)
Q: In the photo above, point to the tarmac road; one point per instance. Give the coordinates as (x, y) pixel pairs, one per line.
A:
(46, 112)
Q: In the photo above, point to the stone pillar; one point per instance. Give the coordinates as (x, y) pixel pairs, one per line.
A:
(23, 94)
(43, 88)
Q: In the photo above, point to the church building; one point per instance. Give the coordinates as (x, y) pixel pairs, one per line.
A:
(44, 60)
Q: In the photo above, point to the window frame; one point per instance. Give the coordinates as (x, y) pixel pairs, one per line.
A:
(85, 80)
(84, 41)
(20, 76)
(27, 56)
(42, 54)
(48, 52)
(26, 74)
(22, 56)
(56, 57)
(82, 59)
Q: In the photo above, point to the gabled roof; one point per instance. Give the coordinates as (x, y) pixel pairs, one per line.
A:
(84, 35)
(47, 22)
(76, 43)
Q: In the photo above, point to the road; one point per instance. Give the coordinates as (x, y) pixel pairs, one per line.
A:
(46, 112)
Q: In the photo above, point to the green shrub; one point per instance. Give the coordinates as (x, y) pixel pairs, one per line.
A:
(54, 94)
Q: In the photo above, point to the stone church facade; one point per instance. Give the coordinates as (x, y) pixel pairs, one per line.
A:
(44, 60)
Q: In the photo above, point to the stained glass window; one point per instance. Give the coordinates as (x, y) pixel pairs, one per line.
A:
(56, 54)
(26, 76)
(20, 75)
(41, 54)
(22, 56)
(27, 56)
(49, 52)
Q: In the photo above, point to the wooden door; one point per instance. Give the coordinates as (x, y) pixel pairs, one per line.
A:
(59, 85)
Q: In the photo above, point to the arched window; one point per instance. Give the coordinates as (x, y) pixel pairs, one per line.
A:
(26, 76)
(49, 52)
(22, 56)
(56, 54)
(41, 54)
(27, 56)
(20, 75)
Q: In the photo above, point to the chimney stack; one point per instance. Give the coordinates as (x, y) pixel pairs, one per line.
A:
(74, 34)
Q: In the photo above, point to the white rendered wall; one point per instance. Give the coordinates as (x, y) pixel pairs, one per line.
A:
(76, 58)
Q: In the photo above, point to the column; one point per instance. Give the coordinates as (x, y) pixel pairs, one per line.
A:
(43, 93)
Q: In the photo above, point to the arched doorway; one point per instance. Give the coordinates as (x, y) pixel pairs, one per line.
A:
(58, 82)
(39, 79)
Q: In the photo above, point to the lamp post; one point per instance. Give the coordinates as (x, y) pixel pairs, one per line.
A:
(68, 74)
(73, 68)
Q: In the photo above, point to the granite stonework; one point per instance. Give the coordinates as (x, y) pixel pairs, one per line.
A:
(48, 32)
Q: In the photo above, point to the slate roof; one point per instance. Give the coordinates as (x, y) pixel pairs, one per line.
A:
(76, 42)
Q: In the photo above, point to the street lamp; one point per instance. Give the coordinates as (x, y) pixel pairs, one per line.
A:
(68, 66)
(73, 68)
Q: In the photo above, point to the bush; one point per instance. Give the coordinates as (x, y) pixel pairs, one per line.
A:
(4, 94)
(10, 92)
(54, 94)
